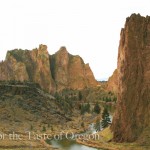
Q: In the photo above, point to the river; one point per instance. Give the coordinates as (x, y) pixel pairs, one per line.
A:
(67, 144)
(70, 145)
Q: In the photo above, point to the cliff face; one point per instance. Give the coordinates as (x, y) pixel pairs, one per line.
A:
(28, 65)
(13, 70)
(132, 118)
(53, 72)
(70, 71)
(112, 84)
(60, 62)
(42, 73)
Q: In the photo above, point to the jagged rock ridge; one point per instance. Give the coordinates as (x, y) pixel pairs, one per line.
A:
(53, 72)
(132, 118)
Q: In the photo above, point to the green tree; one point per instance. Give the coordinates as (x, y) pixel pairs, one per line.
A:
(97, 108)
(107, 99)
(103, 98)
(80, 95)
(82, 124)
(31, 127)
(97, 125)
(52, 129)
(105, 118)
(82, 109)
(57, 96)
(48, 125)
(87, 107)
(44, 129)
(115, 99)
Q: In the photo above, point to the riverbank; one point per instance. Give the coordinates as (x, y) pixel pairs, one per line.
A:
(104, 142)
(35, 138)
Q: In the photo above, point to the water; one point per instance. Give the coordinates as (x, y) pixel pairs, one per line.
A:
(67, 144)
(70, 145)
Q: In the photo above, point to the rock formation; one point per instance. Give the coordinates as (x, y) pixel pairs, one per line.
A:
(69, 71)
(132, 118)
(53, 72)
(112, 84)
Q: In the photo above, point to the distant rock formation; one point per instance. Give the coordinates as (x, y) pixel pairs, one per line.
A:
(53, 72)
(112, 84)
(132, 118)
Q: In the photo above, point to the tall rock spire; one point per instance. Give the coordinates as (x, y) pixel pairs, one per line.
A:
(132, 118)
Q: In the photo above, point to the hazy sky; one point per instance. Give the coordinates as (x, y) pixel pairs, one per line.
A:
(89, 28)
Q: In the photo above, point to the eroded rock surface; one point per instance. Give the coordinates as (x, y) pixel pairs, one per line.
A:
(53, 72)
(132, 117)
(112, 84)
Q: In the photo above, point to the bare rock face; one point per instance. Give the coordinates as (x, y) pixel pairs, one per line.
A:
(90, 80)
(29, 65)
(60, 62)
(13, 70)
(42, 73)
(112, 84)
(70, 71)
(132, 118)
(53, 72)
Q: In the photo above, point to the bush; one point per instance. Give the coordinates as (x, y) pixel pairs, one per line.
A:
(44, 129)
(31, 127)
(82, 124)
(85, 108)
(97, 108)
(97, 125)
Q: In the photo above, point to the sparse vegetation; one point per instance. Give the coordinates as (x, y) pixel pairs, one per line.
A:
(85, 108)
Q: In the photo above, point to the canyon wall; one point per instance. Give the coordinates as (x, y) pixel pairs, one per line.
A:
(132, 118)
(112, 84)
(53, 72)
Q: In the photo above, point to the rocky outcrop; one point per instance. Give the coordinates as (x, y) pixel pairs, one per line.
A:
(13, 70)
(112, 84)
(132, 118)
(28, 65)
(60, 62)
(70, 71)
(53, 72)
(42, 72)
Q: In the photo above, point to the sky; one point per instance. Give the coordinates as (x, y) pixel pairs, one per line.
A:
(89, 28)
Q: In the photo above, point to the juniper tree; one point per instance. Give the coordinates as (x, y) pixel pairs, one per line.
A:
(97, 108)
(97, 125)
(105, 118)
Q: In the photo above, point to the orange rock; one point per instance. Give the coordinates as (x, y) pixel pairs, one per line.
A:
(133, 109)
(53, 72)
(112, 84)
